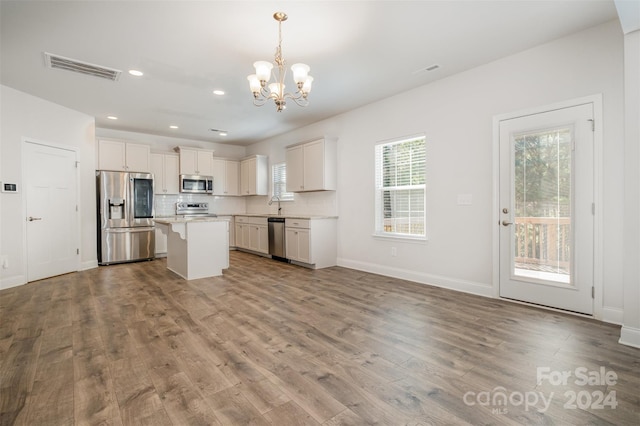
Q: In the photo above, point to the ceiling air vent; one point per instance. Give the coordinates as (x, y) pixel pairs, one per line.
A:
(60, 62)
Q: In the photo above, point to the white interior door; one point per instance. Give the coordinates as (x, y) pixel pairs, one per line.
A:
(52, 219)
(546, 208)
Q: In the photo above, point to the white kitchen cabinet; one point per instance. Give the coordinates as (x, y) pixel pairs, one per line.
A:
(252, 233)
(123, 156)
(165, 169)
(259, 238)
(194, 161)
(254, 176)
(226, 177)
(311, 166)
(297, 244)
(162, 231)
(311, 242)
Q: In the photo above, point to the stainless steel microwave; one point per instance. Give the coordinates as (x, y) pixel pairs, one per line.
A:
(196, 184)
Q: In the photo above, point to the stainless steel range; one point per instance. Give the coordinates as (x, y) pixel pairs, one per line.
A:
(188, 209)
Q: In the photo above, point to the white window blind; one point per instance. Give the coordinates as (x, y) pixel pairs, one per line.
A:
(279, 178)
(401, 188)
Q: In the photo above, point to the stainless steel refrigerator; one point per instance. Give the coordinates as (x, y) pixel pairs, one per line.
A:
(125, 217)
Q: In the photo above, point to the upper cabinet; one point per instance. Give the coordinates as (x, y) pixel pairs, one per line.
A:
(254, 176)
(123, 156)
(194, 161)
(311, 166)
(226, 177)
(165, 169)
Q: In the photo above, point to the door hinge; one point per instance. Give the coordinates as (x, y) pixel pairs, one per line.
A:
(78, 251)
(77, 162)
(593, 124)
(593, 292)
(593, 209)
(76, 207)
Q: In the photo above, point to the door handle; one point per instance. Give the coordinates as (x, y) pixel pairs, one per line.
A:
(31, 218)
(505, 223)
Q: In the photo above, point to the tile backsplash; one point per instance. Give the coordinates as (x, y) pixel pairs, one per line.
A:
(166, 204)
(312, 203)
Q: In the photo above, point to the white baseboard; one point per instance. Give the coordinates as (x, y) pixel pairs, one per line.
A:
(89, 265)
(630, 336)
(10, 282)
(612, 315)
(479, 289)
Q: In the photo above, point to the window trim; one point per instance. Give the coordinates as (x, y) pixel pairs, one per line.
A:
(379, 233)
(283, 196)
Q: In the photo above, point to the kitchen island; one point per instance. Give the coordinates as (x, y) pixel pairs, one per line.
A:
(197, 248)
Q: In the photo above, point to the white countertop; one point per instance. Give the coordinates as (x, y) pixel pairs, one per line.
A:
(287, 216)
(176, 219)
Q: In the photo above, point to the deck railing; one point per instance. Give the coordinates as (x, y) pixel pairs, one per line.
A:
(543, 242)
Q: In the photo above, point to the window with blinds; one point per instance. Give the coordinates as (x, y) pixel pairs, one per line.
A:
(279, 179)
(401, 188)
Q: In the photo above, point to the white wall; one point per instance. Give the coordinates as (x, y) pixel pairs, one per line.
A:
(456, 115)
(23, 116)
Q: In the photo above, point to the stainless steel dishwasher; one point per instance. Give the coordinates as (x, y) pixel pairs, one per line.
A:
(276, 238)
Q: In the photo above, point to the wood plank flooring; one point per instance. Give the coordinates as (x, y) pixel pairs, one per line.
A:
(275, 344)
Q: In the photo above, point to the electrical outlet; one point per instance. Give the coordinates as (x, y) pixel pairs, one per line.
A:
(394, 252)
(4, 260)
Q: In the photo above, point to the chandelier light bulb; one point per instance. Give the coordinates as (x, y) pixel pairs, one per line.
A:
(276, 89)
(300, 72)
(263, 70)
(254, 84)
(306, 87)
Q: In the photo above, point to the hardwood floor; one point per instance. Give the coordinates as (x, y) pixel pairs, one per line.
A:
(275, 344)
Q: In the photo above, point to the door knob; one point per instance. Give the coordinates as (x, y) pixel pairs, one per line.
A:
(31, 218)
(505, 223)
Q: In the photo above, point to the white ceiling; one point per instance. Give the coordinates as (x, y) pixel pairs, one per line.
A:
(359, 52)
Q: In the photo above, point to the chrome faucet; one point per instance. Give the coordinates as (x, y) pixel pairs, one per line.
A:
(278, 200)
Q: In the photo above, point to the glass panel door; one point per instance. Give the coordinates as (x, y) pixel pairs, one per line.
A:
(546, 214)
(141, 192)
(542, 186)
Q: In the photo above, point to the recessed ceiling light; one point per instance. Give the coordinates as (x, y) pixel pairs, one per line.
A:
(173, 127)
(112, 117)
(218, 92)
(136, 73)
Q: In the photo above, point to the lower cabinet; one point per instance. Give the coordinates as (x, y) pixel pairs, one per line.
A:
(298, 244)
(308, 242)
(311, 242)
(252, 233)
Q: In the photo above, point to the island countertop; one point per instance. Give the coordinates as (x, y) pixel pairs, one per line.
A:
(176, 219)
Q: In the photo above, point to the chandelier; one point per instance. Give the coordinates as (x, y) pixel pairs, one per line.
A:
(258, 81)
